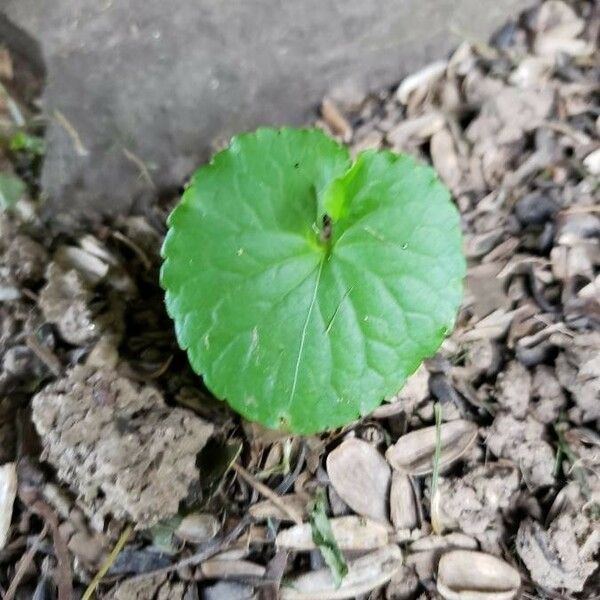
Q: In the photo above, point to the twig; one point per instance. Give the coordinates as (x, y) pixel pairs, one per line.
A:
(574, 134)
(29, 294)
(139, 163)
(107, 564)
(162, 369)
(24, 563)
(211, 548)
(73, 134)
(64, 578)
(267, 492)
(580, 209)
(133, 247)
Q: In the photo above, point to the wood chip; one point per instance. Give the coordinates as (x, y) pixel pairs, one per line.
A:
(419, 128)
(198, 528)
(361, 477)
(414, 391)
(364, 575)
(444, 157)
(413, 453)
(403, 505)
(336, 121)
(267, 492)
(8, 493)
(350, 533)
(6, 65)
(592, 162)
(295, 504)
(92, 268)
(425, 553)
(230, 569)
(422, 79)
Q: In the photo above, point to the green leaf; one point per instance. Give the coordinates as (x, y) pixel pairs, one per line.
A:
(25, 142)
(306, 289)
(11, 191)
(323, 537)
(162, 533)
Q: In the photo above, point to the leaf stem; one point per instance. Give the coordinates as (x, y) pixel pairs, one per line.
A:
(304, 331)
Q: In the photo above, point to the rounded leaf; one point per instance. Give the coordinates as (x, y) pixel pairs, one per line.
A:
(306, 289)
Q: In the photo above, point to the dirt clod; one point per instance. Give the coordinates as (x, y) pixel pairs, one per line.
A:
(522, 442)
(118, 445)
(64, 301)
(26, 259)
(514, 389)
(472, 503)
(556, 557)
(578, 370)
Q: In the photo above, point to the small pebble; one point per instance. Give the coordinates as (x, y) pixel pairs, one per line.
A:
(198, 528)
(535, 209)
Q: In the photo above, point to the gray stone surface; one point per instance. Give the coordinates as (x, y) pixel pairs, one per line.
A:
(157, 81)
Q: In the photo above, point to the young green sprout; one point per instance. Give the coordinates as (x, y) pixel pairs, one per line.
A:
(306, 287)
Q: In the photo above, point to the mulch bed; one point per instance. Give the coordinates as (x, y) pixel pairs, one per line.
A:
(123, 464)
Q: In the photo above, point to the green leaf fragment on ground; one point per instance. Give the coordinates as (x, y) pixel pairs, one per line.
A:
(12, 189)
(25, 142)
(305, 288)
(162, 534)
(323, 537)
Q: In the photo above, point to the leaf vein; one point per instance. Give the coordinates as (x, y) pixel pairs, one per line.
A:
(303, 335)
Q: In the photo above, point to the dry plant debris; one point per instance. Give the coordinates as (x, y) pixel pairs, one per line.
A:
(8, 492)
(127, 435)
